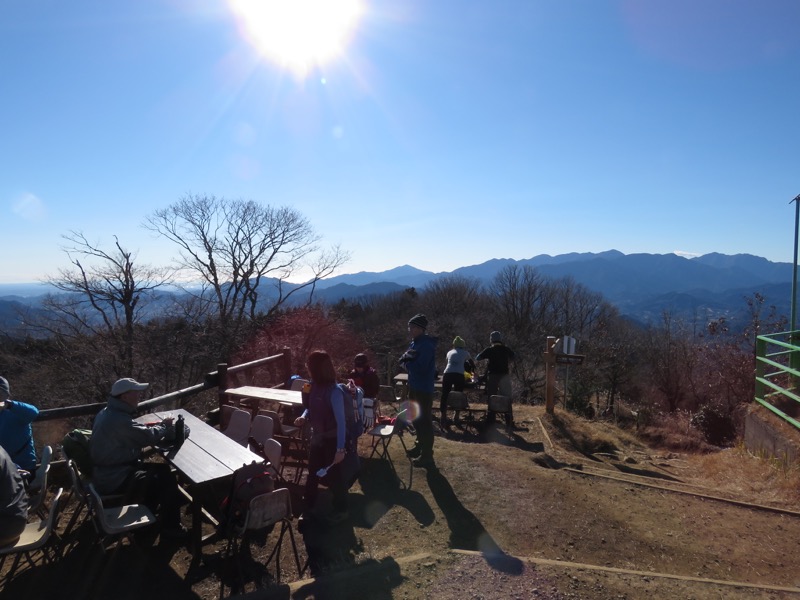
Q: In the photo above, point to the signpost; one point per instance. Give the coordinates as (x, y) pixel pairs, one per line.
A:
(558, 352)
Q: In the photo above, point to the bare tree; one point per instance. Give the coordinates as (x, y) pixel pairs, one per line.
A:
(105, 294)
(235, 247)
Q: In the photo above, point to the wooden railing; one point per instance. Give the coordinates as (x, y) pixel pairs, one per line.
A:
(220, 379)
(777, 374)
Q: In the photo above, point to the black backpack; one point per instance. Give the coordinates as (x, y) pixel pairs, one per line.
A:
(247, 482)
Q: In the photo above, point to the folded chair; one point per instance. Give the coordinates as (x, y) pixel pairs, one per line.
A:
(264, 510)
(501, 405)
(382, 435)
(35, 537)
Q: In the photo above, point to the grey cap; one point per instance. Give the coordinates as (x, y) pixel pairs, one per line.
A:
(127, 385)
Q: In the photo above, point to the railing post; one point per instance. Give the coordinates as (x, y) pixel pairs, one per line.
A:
(222, 383)
(761, 351)
(287, 364)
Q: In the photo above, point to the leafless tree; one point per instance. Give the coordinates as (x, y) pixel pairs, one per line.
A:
(91, 324)
(235, 248)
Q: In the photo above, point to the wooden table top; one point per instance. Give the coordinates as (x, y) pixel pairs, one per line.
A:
(207, 454)
(283, 396)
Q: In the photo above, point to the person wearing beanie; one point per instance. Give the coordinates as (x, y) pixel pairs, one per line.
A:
(498, 381)
(16, 433)
(453, 377)
(420, 363)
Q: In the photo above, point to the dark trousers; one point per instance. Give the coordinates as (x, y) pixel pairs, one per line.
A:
(321, 454)
(450, 381)
(155, 486)
(424, 422)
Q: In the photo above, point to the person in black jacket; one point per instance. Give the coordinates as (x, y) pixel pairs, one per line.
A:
(498, 380)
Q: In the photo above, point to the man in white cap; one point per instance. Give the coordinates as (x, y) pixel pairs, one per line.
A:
(116, 450)
(16, 433)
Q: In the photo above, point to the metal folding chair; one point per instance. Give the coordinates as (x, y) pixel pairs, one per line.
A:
(35, 537)
(265, 510)
(382, 435)
(37, 488)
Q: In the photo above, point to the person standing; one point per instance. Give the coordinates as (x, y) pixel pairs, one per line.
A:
(498, 380)
(13, 501)
(324, 411)
(116, 451)
(16, 433)
(453, 377)
(420, 363)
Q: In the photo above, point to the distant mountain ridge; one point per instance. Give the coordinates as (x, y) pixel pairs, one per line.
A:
(642, 285)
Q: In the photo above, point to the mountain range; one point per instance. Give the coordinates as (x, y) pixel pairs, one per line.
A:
(641, 286)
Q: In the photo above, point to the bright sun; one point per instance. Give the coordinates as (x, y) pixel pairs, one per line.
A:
(298, 34)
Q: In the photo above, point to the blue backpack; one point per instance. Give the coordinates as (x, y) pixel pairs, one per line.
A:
(353, 412)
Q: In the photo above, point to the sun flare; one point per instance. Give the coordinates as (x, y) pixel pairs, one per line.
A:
(298, 34)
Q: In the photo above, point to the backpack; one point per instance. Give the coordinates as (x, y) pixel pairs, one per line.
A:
(247, 482)
(353, 412)
(76, 446)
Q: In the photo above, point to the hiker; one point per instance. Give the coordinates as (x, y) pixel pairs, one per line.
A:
(420, 363)
(453, 377)
(16, 433)
(324, 411)
(498, 381)
(13, 501)
(116, 451)
(365, 377)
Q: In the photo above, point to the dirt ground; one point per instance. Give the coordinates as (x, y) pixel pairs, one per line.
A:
(555, 508)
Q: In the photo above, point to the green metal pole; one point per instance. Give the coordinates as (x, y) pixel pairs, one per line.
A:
(794, 360)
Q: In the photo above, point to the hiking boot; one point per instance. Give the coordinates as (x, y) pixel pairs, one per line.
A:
(414, 452)
(423, 462)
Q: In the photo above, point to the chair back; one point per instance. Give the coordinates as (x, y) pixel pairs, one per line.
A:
(268, 509)
(277, 426)
(457, 401)
(262, 428)
(38, 486)
(39, 480)
(238, 428)
(501, 404)
(273, 451)
(297, 384)
(386, 395)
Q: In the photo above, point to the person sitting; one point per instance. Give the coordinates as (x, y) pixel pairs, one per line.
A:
(16, 433)
(365, 377)
(13, 501)
(116, 451)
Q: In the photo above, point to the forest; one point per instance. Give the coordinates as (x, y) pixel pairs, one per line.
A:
(112, 318)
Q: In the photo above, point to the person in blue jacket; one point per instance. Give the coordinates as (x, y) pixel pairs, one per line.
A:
(420, 363)
(16, 433)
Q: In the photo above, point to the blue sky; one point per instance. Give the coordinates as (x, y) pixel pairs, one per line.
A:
(443, 134)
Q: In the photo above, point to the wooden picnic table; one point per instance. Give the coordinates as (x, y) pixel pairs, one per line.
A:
(205, 457)
(280, 395)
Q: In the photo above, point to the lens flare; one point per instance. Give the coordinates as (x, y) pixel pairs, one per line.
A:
(300, 34)
(409, 411)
